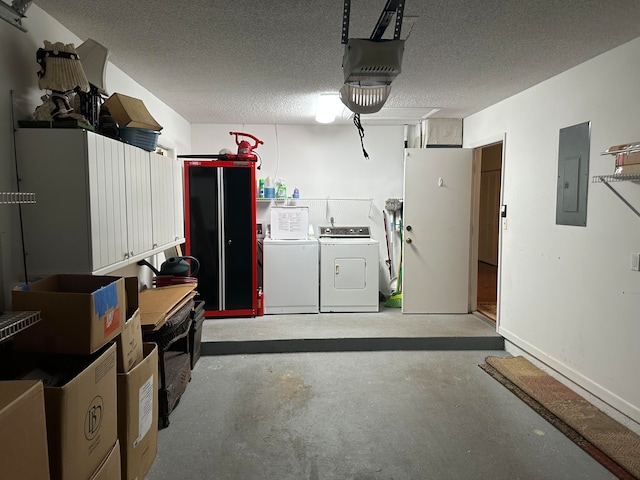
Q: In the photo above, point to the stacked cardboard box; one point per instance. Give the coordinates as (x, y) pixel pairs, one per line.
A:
(138, 415)
(80, 406)
(137, 392)
(23, 431)
(71, 350)
(110, 467)
(80, 313)
(88, 343)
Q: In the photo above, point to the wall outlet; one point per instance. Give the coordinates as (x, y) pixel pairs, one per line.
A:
(635, 262)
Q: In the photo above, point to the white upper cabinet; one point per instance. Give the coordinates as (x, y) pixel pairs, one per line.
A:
(164, 200)
(139, 212)
(107, 200)
(96, 210)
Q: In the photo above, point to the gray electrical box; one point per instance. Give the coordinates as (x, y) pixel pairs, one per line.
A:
(573, 175)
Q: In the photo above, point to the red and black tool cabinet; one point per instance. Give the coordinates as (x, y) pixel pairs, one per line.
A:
(220, 231)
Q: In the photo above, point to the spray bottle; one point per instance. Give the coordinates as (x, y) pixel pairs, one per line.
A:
(282, 190)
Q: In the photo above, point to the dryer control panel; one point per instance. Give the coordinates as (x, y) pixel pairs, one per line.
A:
(345, 232)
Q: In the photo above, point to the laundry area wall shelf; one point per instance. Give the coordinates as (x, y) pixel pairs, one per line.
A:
(12, 323)
(622, 153)
(17, 198)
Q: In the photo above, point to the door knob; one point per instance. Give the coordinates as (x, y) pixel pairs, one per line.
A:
(408, 228)
(409, 240)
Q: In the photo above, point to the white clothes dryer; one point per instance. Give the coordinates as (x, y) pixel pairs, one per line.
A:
(349, 264)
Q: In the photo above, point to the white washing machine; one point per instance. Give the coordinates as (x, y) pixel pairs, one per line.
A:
(290, 275)
(349, 267)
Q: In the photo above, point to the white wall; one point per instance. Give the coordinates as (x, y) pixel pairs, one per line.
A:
(18, 69)
(325, 162)
(567, 295)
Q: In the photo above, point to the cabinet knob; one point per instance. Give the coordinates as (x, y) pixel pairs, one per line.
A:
(131, 253)
(408, 228)
(229, 242)
(126, 255)
(409, 240)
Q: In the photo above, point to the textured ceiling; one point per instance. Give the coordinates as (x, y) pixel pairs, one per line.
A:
(255, 62)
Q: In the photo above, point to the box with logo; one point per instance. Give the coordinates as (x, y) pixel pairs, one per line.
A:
(130, 340)
(79, 313)
(80, 400)
(23, 430)
(110, 467)
(138, 415)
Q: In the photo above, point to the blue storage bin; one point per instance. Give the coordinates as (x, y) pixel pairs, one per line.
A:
(140, 137)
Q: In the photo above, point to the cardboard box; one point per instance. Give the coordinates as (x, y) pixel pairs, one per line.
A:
(23, 430)
(80, 404)
(130, 344)
(158, 304)
(138, 415)
(130, 340)
(82, 417)
(626, 169)
(627, 158)
(130, 112)
(79, 313)
(110, 468)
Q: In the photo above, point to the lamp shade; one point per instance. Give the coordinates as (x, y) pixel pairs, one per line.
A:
(94, 58)
(61, 69)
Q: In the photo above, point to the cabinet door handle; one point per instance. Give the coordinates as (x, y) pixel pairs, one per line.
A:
(229, 242)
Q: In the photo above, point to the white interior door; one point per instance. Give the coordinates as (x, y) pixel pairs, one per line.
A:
(437, 230)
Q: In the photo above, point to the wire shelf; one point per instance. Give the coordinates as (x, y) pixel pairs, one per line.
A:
(634, 148)
(14, 322)
(620, 177)
(13, 198)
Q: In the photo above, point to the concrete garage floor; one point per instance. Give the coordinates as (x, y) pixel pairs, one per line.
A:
(358, 414)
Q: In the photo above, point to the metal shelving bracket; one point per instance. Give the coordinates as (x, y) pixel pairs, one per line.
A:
(608, 179)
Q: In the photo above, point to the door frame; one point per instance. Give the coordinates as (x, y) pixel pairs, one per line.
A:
(475, 219)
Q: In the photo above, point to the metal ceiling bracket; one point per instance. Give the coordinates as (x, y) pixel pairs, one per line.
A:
(345, 21)
(392, 7)
(14, 13)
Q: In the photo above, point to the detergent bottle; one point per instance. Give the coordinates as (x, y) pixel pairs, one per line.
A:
(269, 188)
